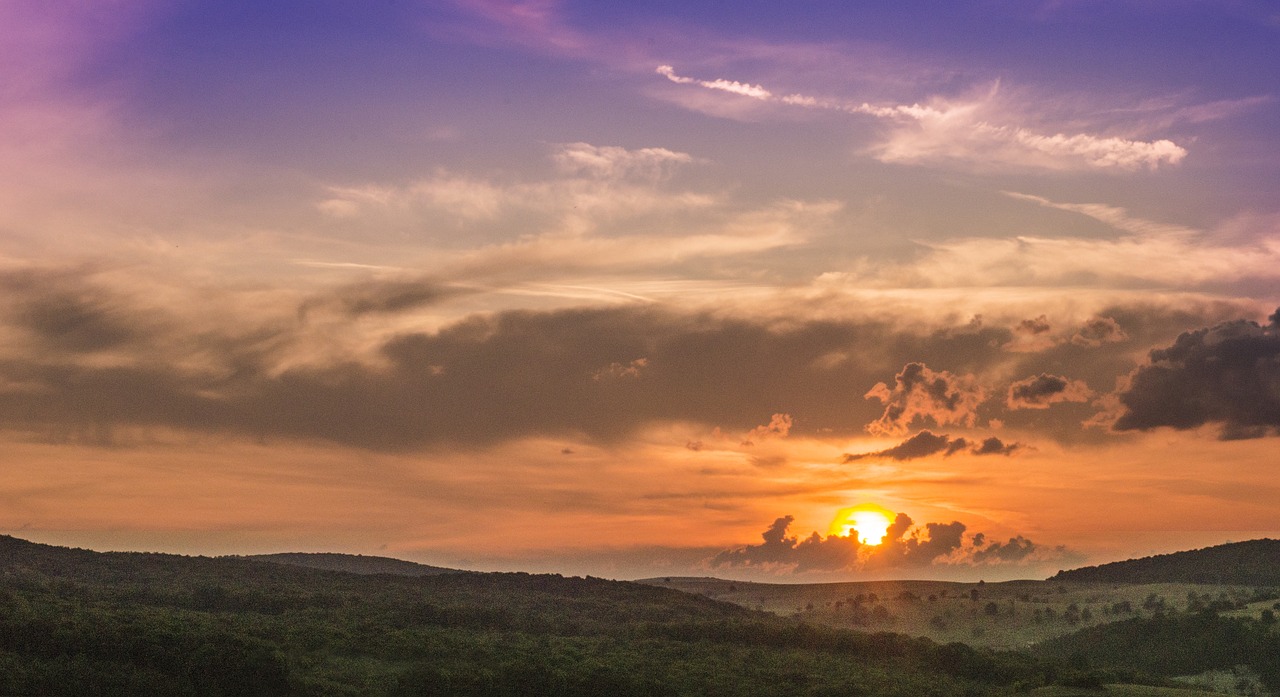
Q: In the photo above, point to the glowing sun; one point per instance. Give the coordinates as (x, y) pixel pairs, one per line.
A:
(870, 521)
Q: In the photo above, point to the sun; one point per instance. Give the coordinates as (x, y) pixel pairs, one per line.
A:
(870, 521)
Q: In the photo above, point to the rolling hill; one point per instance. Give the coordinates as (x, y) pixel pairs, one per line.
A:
(77, 622)
(1252, 563)
(352, 563)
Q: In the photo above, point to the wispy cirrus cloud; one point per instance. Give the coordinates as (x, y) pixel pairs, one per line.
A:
(966, 132)
(1115, 216)
(605, 209)
(612, 161)
(731, 86)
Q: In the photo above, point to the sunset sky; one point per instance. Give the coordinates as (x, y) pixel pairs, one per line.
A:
(642, 289)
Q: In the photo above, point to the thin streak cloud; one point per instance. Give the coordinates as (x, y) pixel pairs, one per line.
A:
(961, 132)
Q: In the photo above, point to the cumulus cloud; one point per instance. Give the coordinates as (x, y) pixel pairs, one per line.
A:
(1038, 325)
(926, 443)
(1099, 331)
(1040, 391)
(922, 394)
(1015, 550)
(780, 553)
(1031, 335)
(994, 446)
(1228, 375)
(778, 427)
(620, 371)
(905, 546)
(963, 131)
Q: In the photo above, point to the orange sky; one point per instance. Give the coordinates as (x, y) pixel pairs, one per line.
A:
(636, 291)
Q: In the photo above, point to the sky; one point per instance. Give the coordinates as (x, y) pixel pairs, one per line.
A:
(642, 289)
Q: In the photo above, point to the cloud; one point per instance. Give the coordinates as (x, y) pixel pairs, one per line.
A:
(621, 371)
(1228, 375)
(397, 362)
(921, 394)
(611, 161)
(1015, 550)
(1099, 331)
(1116, 217)
(962, 132)
(606, 209)
(739, 88)
(343, 365)
(381, 296)
(1040, 391)
(995, 446)
(778, 427)
(922, 444)
(926, 443)
(1126, 262)
(1039, 325)
(904, 546)
(782, 554)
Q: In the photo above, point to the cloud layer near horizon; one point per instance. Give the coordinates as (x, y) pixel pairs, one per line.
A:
(84, 358)
(905, 546)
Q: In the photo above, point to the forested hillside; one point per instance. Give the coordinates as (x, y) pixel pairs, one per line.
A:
(352, 563)
(1252, 563)
(74, 622)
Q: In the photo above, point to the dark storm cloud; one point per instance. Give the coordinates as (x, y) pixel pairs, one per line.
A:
(1040, 391)
(926, 443)
(904, 546)
(1228, 375)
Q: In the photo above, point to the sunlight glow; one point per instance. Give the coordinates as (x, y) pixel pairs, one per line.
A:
(869, 521)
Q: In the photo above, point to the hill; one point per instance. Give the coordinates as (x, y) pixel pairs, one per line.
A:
(77, 622)
(352, 563)
(1252, 563)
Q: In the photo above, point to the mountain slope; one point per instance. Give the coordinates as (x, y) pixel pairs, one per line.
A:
(1252, 563)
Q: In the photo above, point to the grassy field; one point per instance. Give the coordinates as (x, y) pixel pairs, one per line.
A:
(1123, 691)
(1008, 615)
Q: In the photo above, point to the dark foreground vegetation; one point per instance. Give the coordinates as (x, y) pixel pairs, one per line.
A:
(1174, 644)
(74, 622)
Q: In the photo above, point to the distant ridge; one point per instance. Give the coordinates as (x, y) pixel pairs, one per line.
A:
(1251, 563)
(352, 563)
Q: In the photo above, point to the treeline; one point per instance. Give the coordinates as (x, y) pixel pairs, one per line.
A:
(1252, 563)
(1172, 644)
